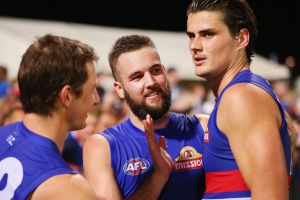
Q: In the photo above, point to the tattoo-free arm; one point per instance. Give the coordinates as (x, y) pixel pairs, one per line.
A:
(251, 120)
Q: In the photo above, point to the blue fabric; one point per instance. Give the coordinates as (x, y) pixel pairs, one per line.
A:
(72, 152)
(34, 159)
(4, 88)
(217, 156)
(132, 163)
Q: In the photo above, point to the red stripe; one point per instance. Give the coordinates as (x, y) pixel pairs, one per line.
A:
(228, 181)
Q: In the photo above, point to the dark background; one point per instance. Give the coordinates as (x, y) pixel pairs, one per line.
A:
(279, 21)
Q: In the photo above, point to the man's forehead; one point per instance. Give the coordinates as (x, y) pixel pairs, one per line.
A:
(138, 60)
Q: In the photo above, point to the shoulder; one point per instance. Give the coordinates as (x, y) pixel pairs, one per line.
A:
(7, 138)
(6, 129)
(181, 118)
(96, 148)
(190, 123)
(95, 141)
(246, 105)
(114, 131)
(66, 186)
(247, 96)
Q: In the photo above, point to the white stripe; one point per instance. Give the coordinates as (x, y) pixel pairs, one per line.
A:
(243, 198)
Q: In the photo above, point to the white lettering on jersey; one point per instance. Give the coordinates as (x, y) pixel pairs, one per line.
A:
(10, 139)
(11, 176)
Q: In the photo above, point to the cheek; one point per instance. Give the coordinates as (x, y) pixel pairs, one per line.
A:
(88, 100)
(190, 46)
(135, 88)
(212, 46)
(161, 79)
(218, 50)
(164, 83)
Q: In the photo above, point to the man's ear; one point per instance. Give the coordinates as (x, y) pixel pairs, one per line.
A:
(66, 95)
(119, 89)
(243, 38)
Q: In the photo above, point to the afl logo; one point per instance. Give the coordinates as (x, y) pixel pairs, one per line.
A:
(136, 166)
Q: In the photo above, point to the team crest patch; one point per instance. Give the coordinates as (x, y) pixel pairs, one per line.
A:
(136, 166)
(188, 159)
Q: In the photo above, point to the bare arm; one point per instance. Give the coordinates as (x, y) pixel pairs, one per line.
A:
(67, 187)
(251, 120)
(98, 170)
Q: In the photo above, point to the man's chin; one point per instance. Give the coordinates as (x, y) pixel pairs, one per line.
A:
(154, 104)
(80, 126)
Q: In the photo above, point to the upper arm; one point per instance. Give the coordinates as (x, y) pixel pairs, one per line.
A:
(65, 186)
(97, 168)
(251, 120)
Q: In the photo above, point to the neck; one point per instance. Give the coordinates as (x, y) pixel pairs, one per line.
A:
(217, 84)
(47, 126)
(157, 124)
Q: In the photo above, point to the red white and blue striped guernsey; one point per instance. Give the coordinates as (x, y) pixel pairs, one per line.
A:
(223, 178)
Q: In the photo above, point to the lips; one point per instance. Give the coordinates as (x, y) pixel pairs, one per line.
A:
(154, 90)
(199, 60)
(152, 94)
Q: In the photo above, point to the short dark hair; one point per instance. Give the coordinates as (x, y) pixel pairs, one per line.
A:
(50, 63)
(237, 15)
(127, 44)
(171, 70)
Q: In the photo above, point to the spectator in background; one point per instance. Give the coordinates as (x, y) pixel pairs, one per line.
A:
(10, 108)
(57, 89)
(295, 181)
(285, 95)
(72, 151)
(4, 83)
(109, 99)
(15, 88)
(16, 113)
(203, 100)
(182, 100)
(104, 84)
(174, 80)
(107, 119)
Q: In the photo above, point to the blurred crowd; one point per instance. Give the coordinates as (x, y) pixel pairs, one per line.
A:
(189, 97)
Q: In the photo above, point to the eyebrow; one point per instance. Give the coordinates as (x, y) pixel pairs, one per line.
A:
(138, 72)
(208, 30)
(189, 33)
(134, 74)
(156, 65)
